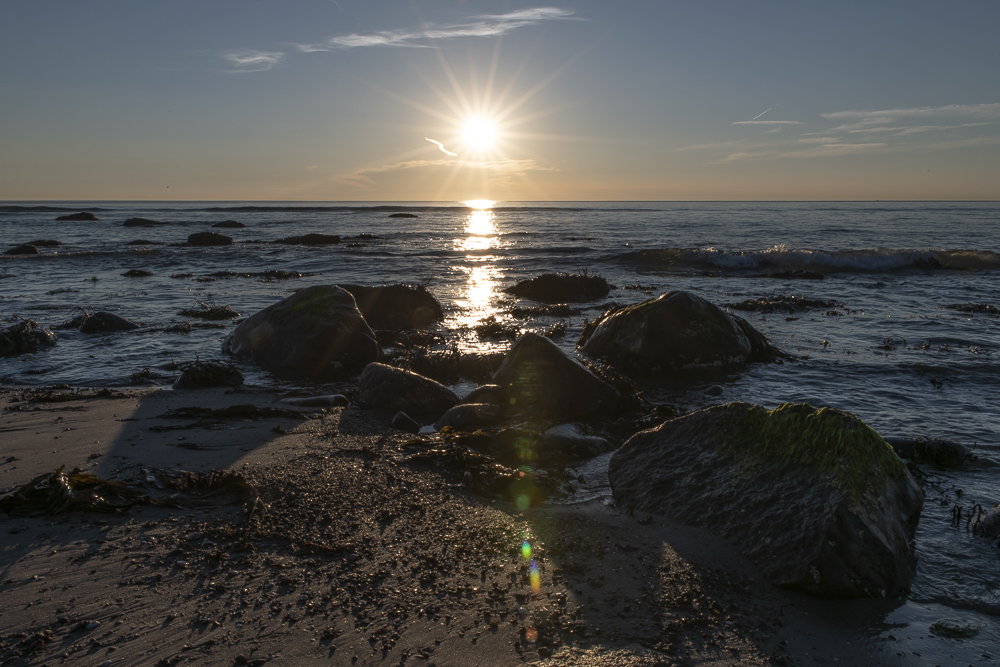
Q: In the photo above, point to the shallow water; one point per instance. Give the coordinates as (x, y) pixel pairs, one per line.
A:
(891, 353)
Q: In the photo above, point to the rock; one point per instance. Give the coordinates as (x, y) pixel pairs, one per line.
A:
(487, 393)
(137, 273)
(393, 389)
(310, 335)
(987, 524)
(540, 379)
(25, 337)
(403, 215)
(955, 628)
(406, 423)
(209, 239)
(82, 215)
(143, 242)
(23, 249)
(45, 243)
(931, 451)
(714, 390)
(815, 498)
(202, 374)
(570, 441)
(561, 288)
(469, 417)
(677, 331)
(229, 224)
(102, 322)
(328, 401)
(142, 222)
(396, 306)
(310, 239)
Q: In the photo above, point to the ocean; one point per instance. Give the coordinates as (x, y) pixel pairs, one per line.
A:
(908, 337)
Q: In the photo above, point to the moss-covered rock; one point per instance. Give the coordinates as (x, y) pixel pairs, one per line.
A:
(676, 331)
(816, 498)
(311, 335)
(396, 306)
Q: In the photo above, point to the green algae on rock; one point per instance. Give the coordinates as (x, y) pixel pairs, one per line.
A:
(827, 441)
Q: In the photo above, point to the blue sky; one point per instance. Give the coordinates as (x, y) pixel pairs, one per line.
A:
(351, 100)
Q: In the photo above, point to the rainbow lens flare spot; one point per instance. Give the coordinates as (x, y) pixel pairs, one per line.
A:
(525, 550)
(531, 635)
(523, 502)
(536, 578)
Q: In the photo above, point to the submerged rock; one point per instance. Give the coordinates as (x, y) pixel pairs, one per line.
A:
(310, 335)
(396, 306)
(143, 222)
(539, 379)
(310, 239)
(25, 337)
(561, 288)
(103, 322)
(137, 273)
(209, 239)
(203, 374)
(395, 390)
(815, 498)
(931, 451)
(677, 331)
(82, 215)
(23, 249)
(403, 215)
(45, 243)
(229, 224)
(955, 628)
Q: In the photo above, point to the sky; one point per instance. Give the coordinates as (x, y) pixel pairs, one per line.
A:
(427, 100)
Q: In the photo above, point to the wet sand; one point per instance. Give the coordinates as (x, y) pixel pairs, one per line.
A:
(354, 553)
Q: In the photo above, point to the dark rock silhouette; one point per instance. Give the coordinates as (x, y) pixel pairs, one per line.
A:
(45, 243)
(203, 374)
(23, 249)
(395, 390)
(209, 239)
(561, 288)
(403, 215)
(312, 335)
(931, 451)
(815, 498)
(677, 331)
(469, 417)
(229, 224)
(137, 273)
(143, 222)
(82, 215)
(396, 306)
(103, 322)
(25, 337)
(310, 239)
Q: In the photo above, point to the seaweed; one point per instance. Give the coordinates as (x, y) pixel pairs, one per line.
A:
(826, 441)
(209, 311)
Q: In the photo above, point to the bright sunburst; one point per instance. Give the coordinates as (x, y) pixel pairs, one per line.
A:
(480, 133)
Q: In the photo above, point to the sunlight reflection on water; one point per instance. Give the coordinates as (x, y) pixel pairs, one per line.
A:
(481, 288)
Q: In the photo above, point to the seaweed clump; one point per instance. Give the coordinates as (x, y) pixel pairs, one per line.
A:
(210, 311)
(828, 442)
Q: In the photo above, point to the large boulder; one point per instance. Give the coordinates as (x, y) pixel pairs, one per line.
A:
(209, 239)
(24, 337)
(310, 335)
(396, 306)
(539, 379)
(676, 331)
(814, 497)
(103, 322)
(82, 215)
(561, 288)
(395, 390)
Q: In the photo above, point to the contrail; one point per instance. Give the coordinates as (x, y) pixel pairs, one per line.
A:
(761, 114)
(441, 146)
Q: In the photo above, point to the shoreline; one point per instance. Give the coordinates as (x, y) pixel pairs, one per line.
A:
(357, 554)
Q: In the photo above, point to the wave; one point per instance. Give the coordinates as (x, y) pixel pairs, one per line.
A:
(783, 260)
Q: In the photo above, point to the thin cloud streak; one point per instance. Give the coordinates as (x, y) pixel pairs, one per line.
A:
(829, 150)
(508, 167)
(440, 145)
(768, 122)
(954, 110)
(250, 60)
(488, 25)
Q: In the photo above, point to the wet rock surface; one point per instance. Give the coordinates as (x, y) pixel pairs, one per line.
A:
(395, 390)
(209, 239)
(396, 306)
(24, 337)
(677, 331)
(818, 501)
(143, 222)
(202, 374)
(469, 417)
(561, 288)
(540, 379)
(313, 334)
(104, 322)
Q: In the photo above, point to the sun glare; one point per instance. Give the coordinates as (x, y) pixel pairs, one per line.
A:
(479, 133)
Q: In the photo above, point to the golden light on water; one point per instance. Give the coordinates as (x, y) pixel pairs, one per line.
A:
(480, 203)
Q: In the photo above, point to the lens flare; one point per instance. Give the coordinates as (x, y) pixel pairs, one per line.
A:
(536, 578)
(526, 550)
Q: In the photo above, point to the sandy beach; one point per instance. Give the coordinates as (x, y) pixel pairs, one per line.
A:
(354, 552)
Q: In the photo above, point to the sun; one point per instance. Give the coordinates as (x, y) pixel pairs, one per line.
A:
(479, 133)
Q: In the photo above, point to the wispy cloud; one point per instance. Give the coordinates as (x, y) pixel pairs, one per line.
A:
(250, 60)
(828, 150)
(487, 25)
(768, 122)
(951, 110)
(735, 157)
(507, 167)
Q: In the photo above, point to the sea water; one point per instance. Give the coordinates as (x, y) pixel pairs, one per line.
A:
(894, 350)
